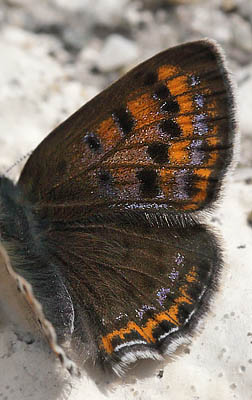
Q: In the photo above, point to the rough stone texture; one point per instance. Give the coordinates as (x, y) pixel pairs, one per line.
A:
(116, 52)
(50, 65)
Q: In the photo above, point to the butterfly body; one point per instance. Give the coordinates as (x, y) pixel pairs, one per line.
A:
(104, 218)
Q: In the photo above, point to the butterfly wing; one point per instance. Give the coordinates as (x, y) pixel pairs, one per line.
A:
(137, 285)
(161, 136)
(122, 267)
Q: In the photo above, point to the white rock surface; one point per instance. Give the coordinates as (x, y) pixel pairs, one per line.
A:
(103, 12)
(242, 33)
(245, 101)
(116, 53)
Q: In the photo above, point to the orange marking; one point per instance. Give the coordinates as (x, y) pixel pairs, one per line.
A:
(184, 298)
(166, 174)
(167, 71)
(202, 184)
(212, 159)
(212, 110)
(190, 207)
(109, 133)
(214, 130)
(213, 141)
(203, 172)
(201, 195)
(178, 152)
(167, 178)
(144, 109)
(145, 332)
(178, 86)
(186, 124)
(191, 276)
(173, 313)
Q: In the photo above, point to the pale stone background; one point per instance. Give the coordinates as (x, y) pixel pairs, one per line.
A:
(54, 56)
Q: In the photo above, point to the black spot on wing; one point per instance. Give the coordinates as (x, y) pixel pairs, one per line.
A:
(124, 120)
(161, 92)
(167, 102)
(158, 152)
(148, 182)
(170, 105)
(93, 141)
(170, 128)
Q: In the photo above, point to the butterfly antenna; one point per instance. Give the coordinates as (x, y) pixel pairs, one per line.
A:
(18, 161)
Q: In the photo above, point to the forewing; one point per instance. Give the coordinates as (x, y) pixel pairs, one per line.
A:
(161, 136)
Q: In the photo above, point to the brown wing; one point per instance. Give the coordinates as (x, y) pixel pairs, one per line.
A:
(110, 188)
(161, 136)
(136, 285)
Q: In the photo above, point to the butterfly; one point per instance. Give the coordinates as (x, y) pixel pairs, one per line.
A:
(104, 230)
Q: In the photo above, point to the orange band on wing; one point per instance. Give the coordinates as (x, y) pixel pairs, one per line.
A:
(146, 331)
(166, 71)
